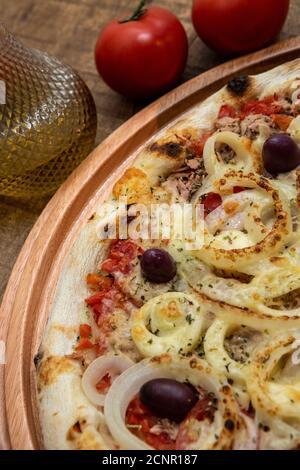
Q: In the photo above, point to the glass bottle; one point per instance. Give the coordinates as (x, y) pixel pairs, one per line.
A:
(47, 123)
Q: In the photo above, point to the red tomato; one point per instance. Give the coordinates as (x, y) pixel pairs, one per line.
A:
(198, 145)
(238, 26)
(103, 385)
(238, 189)
(84, 343)
(98, 282)
(267, 106)
(227, 111)
(142, 420)
(103, 304)
(282, 121)
(85, 330)
(122, 252)
(95, 299)
(145, 56)
(211, 201)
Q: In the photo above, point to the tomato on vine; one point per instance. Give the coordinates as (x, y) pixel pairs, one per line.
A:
(143, 55)
(238, 26)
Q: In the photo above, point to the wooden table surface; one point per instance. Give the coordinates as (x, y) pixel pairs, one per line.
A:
(69, 29)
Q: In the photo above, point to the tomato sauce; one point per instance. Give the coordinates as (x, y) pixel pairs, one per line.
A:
(228, 111)
(85, 333)
(238, 189)
(140, 420)
(106, 296)
(211, 201)
(268, 106)
(104, 384)
(198, 145)
(122, 253)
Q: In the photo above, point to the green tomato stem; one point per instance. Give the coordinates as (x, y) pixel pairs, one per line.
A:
(137, 14)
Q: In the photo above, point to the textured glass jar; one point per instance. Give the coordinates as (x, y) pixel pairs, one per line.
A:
(47, 124)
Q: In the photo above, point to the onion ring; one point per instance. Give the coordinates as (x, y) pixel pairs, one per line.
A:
(114, 364)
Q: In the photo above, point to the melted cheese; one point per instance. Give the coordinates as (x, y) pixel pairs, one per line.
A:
(171, 322)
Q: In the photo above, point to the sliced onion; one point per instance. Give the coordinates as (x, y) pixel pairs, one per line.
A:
(293, 129)
(110, 363)
(269, 396)
(296, 96)
(247, 439)
(291, 369)
(282, 435)
(220, 220)
(244, 159)
(272, 241)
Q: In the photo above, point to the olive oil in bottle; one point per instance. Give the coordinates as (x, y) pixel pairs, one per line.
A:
(47, 123)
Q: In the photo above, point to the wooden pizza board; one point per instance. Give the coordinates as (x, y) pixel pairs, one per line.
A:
(31, 287)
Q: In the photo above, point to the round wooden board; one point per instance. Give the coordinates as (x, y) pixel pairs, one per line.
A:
(29, 293)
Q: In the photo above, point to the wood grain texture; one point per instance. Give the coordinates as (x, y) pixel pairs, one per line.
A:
(69, 29)
(32, 285)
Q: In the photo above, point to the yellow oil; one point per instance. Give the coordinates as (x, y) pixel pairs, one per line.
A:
(47, 124)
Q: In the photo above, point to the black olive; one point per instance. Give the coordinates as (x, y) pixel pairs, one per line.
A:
(280, 154)
(158, 266)
(168, 398)
(238, 85)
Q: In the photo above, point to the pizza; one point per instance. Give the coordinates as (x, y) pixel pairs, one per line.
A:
(153, 345)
